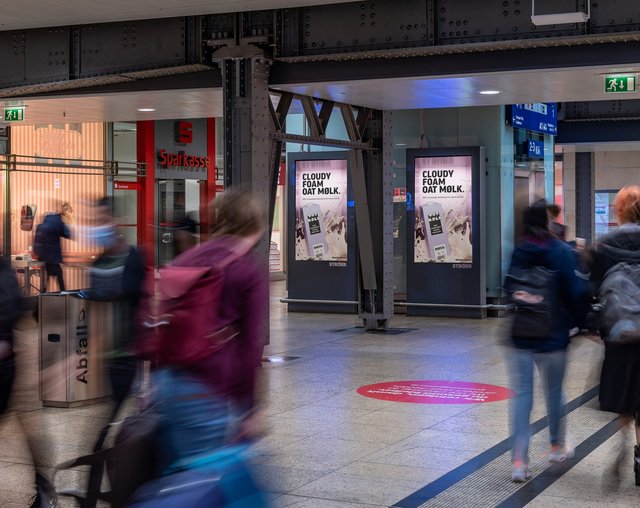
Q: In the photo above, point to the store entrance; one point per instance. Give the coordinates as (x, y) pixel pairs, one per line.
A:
(178, 217)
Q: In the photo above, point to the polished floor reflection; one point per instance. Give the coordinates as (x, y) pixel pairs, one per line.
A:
(328, 446)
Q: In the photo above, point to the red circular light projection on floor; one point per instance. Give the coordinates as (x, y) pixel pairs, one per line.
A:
(436, 392)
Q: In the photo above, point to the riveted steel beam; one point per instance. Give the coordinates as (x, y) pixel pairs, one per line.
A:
(584, 195)
(311, 116)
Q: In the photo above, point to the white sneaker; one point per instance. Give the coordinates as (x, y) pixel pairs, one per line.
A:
(562, 454)
(520, 474)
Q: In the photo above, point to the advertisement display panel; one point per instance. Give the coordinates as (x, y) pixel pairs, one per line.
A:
(321, 210)
(445, 227)
(321, 243)
(443, 208)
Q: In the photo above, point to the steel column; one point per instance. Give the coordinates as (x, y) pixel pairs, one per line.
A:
(249, 153)
(10, 165)
(584, 195)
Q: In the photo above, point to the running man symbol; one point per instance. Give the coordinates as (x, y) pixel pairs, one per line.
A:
(617, 84)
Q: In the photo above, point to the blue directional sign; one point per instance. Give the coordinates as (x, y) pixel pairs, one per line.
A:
(534, 149)
(534, 116)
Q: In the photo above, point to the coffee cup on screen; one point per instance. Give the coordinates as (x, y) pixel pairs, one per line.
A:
(581, 243)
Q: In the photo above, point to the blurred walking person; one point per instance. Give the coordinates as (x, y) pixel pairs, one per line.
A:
(11, 305)
(207, 360)
(549, 297)
(556, 228)
(117, 276)
(615, 264)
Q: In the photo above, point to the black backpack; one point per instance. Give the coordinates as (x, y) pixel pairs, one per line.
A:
(620, 299)
(534, 293)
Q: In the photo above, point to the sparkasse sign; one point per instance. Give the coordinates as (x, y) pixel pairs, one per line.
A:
(181, 160)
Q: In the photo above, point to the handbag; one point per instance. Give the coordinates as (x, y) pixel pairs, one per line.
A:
(207, 486)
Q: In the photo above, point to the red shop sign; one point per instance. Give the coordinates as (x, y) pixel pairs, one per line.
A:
(436, 392)
(126, 185)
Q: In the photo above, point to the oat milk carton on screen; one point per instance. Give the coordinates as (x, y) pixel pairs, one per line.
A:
(314, 231)
(436, 234)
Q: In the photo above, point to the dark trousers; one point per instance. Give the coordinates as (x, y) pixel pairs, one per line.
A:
(7, 375)
(55, 270)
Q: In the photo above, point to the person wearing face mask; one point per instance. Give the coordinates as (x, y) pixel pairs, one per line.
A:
(117, 276)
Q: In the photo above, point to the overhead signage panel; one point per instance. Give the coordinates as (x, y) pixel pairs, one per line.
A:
(534, 149)
(534, 116)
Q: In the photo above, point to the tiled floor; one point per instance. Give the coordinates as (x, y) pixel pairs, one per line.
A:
(328, 446)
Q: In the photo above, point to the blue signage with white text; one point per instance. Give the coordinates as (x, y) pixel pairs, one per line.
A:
(535, 116)
(534, 149)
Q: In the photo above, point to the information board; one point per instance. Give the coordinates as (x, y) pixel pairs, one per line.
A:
(534, 116)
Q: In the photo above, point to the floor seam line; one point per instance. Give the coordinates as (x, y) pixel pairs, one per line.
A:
(458, 474)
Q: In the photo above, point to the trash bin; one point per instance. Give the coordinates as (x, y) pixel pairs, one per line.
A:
(74, 334)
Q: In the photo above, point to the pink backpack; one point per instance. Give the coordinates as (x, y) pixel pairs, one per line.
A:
(180, 324)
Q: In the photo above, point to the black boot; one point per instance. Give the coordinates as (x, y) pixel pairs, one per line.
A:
(45, 494)
(636, 463)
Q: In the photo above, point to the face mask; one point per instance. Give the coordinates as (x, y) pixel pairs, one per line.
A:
(105, 236)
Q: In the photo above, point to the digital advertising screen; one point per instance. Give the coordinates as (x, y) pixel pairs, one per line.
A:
(321, 210)
(443, 210)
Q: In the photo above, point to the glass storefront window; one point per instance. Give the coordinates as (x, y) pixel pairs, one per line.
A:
(605, 215)
(276, 249)
(59, 168)
(125, 195)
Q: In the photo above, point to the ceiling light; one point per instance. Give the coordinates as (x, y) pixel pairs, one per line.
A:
(563, 18)
(489, 92)
(560, 18)
(146, 110)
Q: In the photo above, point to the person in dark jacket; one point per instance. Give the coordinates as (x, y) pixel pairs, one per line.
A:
(47, 245)
(549, 354)
(620, 376)
(117, 276)
(11, 304)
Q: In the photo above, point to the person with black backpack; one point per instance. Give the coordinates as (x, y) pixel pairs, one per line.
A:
(548, 297)
(615, 270)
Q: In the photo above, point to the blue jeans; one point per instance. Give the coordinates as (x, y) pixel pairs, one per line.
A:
(193, 446)
(194, 422)
(551, 366)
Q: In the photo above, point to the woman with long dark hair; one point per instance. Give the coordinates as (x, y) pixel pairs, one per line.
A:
(547, 352)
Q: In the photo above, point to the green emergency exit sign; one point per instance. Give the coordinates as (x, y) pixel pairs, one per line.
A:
(620, 83)
(14, 114)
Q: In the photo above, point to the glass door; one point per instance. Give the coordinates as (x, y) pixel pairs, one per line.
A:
(178, 218)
